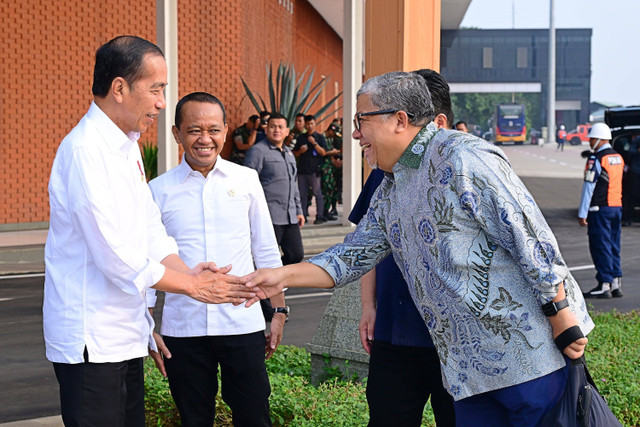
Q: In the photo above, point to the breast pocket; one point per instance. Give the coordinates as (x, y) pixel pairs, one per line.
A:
(234, 212)
(271, 168)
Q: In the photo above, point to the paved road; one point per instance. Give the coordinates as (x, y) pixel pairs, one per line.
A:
(27, 385)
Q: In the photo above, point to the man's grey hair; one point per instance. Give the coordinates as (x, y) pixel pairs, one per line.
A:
(398, 90)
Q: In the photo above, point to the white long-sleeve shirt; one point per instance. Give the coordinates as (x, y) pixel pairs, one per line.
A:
(104, 247)
(223, 218)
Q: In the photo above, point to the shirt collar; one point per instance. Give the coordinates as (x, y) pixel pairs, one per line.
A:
(184, 170)
(273, 146)
(110, 132)
(604, 147)
(412, 156)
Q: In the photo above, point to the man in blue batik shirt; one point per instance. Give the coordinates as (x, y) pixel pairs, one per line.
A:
(481, 263)
(404, 369)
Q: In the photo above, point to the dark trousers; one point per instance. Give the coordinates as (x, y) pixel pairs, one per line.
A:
(604, 242)
(290, 241)
(401, 379)
(522, 405)
(193, 370)
(313, 181)
(101, 394)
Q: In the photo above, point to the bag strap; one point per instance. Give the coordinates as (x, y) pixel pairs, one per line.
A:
(582, 361)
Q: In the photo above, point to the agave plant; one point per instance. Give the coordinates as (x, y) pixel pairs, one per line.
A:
(150, 160)
(289, 96)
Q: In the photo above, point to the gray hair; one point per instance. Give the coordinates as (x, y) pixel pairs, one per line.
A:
(401, 91)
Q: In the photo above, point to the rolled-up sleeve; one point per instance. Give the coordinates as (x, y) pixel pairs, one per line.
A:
(94, 210)
(161, 245)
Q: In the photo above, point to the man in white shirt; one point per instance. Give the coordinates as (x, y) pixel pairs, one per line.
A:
(216, 210)
(107, 245)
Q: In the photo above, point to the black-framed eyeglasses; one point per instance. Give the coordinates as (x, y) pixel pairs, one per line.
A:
(356, 118)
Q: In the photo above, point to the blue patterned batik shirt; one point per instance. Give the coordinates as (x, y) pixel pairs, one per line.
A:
(477, 254)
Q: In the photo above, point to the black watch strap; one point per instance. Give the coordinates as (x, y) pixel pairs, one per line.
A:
(552, 308)
(283, 310)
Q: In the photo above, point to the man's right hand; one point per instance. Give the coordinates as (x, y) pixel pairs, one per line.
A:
(217, 287)
(162, 353)
(582, 222)
(266, 282)
(366, 327)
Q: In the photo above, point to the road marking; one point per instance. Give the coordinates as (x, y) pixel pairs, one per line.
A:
(21, 276)
(315, 294)
(582, 267)
(6, 299)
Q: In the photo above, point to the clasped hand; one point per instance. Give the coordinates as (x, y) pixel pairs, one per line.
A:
(216, 285)
(213, 285)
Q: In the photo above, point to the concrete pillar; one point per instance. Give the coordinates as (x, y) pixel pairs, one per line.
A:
(352, 46)
(551, 109)
(401, 35)
(167, 38)
(336, 342)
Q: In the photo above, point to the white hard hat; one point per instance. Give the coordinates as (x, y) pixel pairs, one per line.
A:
(561, 127)
(600, 131)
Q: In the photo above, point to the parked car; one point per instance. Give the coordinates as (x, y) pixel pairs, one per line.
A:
(579, 135)
(625, 126)
(625, 132)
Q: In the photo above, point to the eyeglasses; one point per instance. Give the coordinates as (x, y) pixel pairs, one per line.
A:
(356, 118)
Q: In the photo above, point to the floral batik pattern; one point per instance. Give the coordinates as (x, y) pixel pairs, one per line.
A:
(477, 255)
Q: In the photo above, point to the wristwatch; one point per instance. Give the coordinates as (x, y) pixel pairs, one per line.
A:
(284, 310)
(552, 308)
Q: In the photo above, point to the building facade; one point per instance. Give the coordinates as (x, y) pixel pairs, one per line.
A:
(48, 51)
(518, 61)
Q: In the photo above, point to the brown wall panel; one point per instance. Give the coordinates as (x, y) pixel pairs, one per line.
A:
(48, 52)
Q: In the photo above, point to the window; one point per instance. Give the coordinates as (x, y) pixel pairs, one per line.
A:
(521, 57)
(487, 57)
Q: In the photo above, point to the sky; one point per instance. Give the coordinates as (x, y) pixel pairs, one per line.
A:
(615, 42)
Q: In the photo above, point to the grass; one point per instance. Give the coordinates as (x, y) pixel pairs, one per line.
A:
(612, 355)
(613, 358)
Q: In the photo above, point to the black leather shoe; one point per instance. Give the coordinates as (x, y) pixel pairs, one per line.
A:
(319, 220)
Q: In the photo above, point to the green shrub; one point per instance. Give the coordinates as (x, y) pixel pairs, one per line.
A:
(612, 356)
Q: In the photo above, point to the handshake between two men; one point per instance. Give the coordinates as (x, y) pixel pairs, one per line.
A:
(213, 284)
